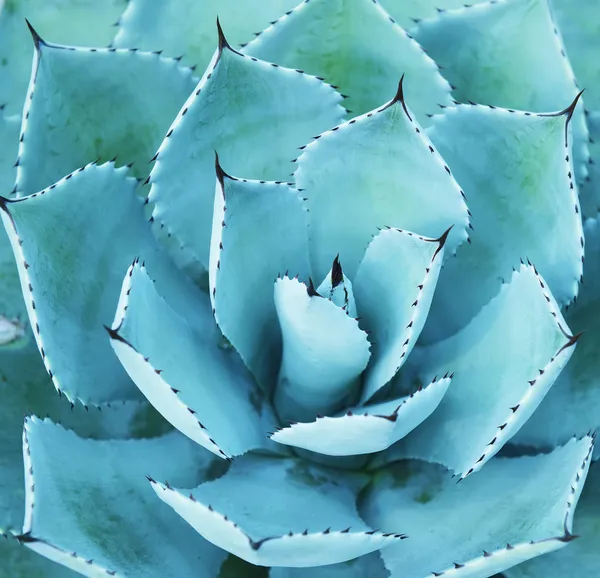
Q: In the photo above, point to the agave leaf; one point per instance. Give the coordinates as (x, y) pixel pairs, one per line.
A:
(369, 565)
(520, 507)
(99, 517)
(383, 170)
(129, 118)
(324, 352)
(577, 387)
(581, 557)
(187, 27)
(505, 361)
(73, 243)
(255, 115)
(25, 387)
(334, 39)
(82, 22)
(516, 170)
(394, 287)
(9, 144)
(507, 54)
(589, 192)
(278, 512)
(364, 430)
(409, 12)
(251, 219)
(338, 289)
(200, 388)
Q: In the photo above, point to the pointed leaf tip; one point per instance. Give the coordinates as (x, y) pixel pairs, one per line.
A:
(223, 44)
(37, 39)
(337, 275)
(114, 334)
(399, 97)
(567, 112)
(441, 241)
(221, 174)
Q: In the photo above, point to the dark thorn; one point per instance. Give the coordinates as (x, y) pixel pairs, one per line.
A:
(38, 41)
(399, 97)
(568, 112)
(312, 292)
(337, 275)
(222, 40)
(221, 174)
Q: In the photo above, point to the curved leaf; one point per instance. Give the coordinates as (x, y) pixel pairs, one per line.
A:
(135, 96)
(507, 54)
(334, 39)
(187, 27)
(409, 12)
(589, 192)
(394, 284)
(505, 361)
(255, 115)
(9, 144)
(364, 430)
(369, 565)
(377, 169)
(98, 516)
(516, 170)
(521, 508)
(73, 243)
(338, 289)
(200, 388)
(324, 352)
(278, 512)
(251, 219)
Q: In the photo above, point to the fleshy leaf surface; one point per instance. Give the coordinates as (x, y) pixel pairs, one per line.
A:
(377, 169)
(338, 288)
(369, 565)
(187, 27)
(517, 172)
(365, 430)
(581, 557)
(334, 39)
(255, 115)
(521, 507)
(589, 192)
(488, 53)
(324, 353)
(278, 512)
(578, 387)
(135, 96)
(394, 283)
(73, 242)
(202, 389)
(9, 144)
(259, 233)
(98, 515)
(85, 22)
(505, 361)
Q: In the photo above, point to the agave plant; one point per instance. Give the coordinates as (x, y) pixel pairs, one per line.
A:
(325, 331)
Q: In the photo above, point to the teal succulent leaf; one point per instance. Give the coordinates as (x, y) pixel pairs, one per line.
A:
(241, 104)
(409, 12)
(9, 144)
(73, 243)
(178, 375)
(258, 511)
(85, 22)
(187, 27)
(329, 38)
(369, 565)
(505, 361)
(487, 54)
(324, 352)
(337, 287)
(135, 95)
(394, 284)
(250, 219)
(581, 557)
(130, 534)
(532, 169)
(578, 387)
(377, 169)
(366, 429)
(589, 192)
(513, 519)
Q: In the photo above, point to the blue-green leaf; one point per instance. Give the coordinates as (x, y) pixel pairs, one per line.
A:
(9, 145)
(365, 429)
(254, 115)
(187, 27)
(84, 22)
(73, 243)
(89, 506)
(338, 288)
(135, 96)
(589, 191)
(407, 12)
(335, 39)
(251, 220)
(375, 170)
(324, 353)
(369, 565)
(505, 361)
(394, 287)
(202, 389)
(507, 54)
(517, 173)
(278, 512)
(513, 510)
(581, 558)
